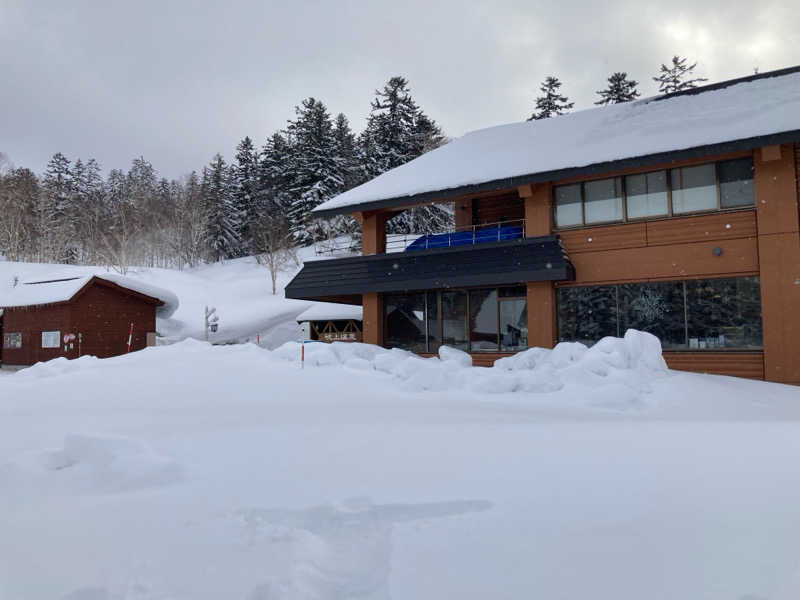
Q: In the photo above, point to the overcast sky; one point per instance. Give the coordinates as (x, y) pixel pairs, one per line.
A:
(178, 81)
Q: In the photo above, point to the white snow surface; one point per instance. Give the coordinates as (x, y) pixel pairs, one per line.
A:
(329, 311)
(586, 137)
(198, 472)
(53, 288)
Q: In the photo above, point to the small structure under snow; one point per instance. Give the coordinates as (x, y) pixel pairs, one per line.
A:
(101, 315)
(329, 322)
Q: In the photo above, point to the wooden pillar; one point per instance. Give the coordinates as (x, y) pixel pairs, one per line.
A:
(372, 325)
(778, 217)
(541, 295)
(462, 214)
(373, 233)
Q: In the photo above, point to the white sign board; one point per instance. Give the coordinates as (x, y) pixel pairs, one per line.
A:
(51, 339)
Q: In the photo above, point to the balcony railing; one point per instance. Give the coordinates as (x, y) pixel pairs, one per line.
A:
(409, 242)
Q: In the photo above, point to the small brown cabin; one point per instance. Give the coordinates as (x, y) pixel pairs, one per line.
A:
(76, 316)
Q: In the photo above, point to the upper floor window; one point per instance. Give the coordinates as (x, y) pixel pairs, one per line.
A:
(679, 191)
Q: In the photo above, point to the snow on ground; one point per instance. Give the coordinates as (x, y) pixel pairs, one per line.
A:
(240, 289)
(199, 472)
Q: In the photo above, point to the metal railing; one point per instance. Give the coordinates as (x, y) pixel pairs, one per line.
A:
(455, 236)
(458, 236)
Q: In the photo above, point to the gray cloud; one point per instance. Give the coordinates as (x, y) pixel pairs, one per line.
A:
(178, 81)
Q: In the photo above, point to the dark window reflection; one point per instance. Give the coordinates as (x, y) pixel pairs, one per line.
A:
(656, 308)
(586, 314)
(736, 183)
(454, 319)
(724, 313)
(405, 321)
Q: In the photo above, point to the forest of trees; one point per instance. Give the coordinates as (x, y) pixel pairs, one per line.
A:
(257, 203)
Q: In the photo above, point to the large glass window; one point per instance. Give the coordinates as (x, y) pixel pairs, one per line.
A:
(513, 324)
(483, 319)
(434, 333)
(646, 195)
(568, 205)
(736, 183)
(693, 188)
(683, 190)
(586, 314)
(686, 315)
(454, 319)
(724, 313)
(603, 200)
(405, 321)
(657, 308)
(477, 320)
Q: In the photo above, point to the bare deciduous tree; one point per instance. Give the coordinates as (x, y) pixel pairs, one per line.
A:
(272, 243)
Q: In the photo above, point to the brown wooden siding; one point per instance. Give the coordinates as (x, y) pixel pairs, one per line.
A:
(103, 316)
(505, 207)
(721, 226)
(736, 364)
(31, 322)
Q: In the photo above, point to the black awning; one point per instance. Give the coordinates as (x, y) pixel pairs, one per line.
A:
(502, 263)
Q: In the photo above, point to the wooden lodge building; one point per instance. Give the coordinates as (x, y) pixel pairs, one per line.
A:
(676, 214)
(77, 316)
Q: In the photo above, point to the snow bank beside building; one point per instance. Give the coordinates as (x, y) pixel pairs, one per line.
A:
(622, 367)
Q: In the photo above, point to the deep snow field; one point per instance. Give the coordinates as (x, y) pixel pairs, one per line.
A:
(192, 472)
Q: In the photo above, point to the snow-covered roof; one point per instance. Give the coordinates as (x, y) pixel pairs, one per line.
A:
(738, 110)
(51, 290)
(329, 311)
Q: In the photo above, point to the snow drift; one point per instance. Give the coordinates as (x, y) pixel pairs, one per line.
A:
(618, 370)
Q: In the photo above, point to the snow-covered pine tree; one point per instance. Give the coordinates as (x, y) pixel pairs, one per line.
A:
(224, 221)
(316, 170)
(551, 102)
(673, 78)
(620, 89)
(399, 131)
(246, 187)
(54, 214)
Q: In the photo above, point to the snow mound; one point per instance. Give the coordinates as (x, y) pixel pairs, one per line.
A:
(88, 463)
(615, 371)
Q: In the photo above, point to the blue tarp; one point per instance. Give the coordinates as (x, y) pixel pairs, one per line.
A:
(466, 238)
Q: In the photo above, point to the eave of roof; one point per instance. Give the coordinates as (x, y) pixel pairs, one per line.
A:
(544, 176)
(644, 160)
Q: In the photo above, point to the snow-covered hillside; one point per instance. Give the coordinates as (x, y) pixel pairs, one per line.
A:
(194, 472)
(240, 289)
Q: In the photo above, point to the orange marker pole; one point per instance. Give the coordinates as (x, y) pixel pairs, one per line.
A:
(130, 339)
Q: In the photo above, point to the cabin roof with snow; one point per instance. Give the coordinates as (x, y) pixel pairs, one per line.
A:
(328, 311)
(738, 114)
(65, 289)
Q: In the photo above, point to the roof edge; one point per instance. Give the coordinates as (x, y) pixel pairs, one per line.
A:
(591, 169)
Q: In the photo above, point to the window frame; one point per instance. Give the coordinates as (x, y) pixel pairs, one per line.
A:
(686, 311)
(440, 322)
(671, 214)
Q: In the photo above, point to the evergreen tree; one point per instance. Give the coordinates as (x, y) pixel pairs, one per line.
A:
(224, 223)
(551, 103)
(54, 214)
(620, 89)
(246, 187)
(346, 151)
(315, 169)
(673, 78)
(399, 131)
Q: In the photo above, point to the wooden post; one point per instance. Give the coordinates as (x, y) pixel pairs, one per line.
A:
(776, 196)
(372, 318)
(373, 233)
(541, 295)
